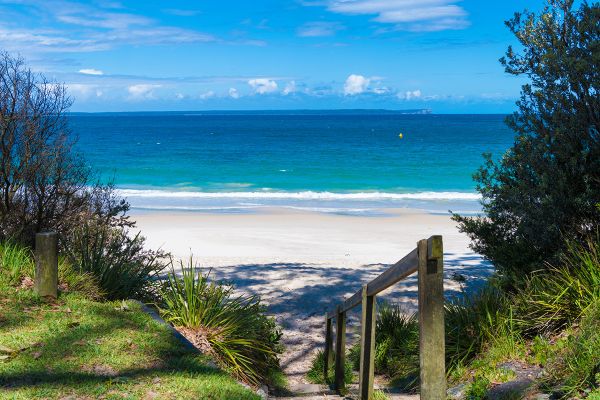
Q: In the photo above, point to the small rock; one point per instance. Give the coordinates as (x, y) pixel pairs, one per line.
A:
(457, 392)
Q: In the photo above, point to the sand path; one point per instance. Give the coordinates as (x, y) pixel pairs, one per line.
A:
(303, 264)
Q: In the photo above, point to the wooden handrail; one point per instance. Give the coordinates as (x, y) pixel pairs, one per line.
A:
(427, 260)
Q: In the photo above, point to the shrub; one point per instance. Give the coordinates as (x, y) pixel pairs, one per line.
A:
(120, 264)
(547, 185)
(233, 328)
(71, 279)
(473, 319)
(552, 300)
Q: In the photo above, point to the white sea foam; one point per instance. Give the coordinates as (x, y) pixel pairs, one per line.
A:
(305, 195)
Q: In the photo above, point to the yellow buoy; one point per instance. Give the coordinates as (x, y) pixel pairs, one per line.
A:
(400, 136)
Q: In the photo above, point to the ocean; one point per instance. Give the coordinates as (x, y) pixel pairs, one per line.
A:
(352, 162)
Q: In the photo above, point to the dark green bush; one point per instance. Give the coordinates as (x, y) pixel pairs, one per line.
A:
(235, 328)
(546, 187)
(118, 261)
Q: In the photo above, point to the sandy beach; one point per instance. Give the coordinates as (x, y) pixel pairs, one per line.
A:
(303, 263)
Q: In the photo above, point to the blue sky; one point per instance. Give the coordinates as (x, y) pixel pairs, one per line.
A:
(267, 54)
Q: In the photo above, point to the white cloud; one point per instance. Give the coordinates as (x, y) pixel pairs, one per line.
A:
(233, 93)
(142, 91)
(90, 71)
(319, 28)
(381, 90)
(208, 95)
(99, 29)
(83, 91)
(410, 95)
(289, 88)
(263, 85)
(414, 15)
(356, 84)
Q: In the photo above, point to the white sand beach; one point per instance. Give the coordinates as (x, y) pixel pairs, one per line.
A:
(302, 263)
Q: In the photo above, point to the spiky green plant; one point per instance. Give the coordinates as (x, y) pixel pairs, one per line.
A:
(242, 338)
(554, 299)
(576, 367)
(396, 346)
(315, 373)
(471, 320)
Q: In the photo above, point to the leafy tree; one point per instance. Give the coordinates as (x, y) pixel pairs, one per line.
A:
(545, 188)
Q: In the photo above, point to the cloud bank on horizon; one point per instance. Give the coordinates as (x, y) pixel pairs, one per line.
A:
(267, 54)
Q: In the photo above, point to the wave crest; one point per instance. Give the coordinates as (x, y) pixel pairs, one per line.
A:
(303, 195)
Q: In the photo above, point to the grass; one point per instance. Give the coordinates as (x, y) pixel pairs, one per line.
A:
(576, 365)
(234, 328)
(85, 349)
(16, 262)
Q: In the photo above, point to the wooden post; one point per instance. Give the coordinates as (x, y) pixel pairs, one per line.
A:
(46, 264)
(340, 351)
(328, 352)
(431, 319)
(367, 346)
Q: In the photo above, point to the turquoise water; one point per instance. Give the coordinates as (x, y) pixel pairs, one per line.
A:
(329, 161)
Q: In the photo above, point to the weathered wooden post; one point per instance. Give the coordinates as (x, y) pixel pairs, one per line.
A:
(328, 352)
(367, 345)
(46, 264)
(431, 318)
(340, 350)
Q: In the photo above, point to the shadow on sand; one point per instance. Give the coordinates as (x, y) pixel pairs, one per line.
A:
(299, 294)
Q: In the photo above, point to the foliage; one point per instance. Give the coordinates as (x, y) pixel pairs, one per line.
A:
(16, 262)
(71, 279)
(396, 346)
(478, 388)
(471, 321)
(546, 187)
(315, 373)
(78, 348)
(118, 261)
(576, 367)
(44, 183)
(380, 395)
(242, 338)
(552, 300)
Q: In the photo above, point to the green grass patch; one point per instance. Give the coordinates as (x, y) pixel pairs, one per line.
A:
(78, 347)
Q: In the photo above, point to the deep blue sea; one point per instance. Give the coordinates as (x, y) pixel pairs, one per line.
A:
(352, 162)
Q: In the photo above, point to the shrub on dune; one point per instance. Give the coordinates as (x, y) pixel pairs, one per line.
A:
(118, 261)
